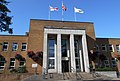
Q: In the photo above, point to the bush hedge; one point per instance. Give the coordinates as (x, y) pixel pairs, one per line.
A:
(105, 69)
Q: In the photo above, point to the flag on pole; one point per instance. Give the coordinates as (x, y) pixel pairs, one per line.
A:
(78, 10)
(53, 8)
(63, 7)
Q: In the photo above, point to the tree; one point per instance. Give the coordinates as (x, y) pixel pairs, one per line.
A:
(5, 20)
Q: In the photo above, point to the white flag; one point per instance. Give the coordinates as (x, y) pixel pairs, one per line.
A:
(53, 8)
(78, 10)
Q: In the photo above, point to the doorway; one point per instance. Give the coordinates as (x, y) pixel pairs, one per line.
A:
(65, 66)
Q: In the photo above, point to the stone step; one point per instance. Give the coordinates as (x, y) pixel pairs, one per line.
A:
(66, 76)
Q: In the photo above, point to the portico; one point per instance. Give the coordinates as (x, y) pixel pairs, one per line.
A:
(65, 50)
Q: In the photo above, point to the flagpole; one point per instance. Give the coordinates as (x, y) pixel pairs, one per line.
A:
(74, 14)
(49, 13)
(62, 12)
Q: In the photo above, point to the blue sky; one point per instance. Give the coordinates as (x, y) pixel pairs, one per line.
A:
(105, 14)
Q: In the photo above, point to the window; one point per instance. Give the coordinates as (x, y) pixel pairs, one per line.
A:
(77, 64)
(106, 63)
(97, 47)
(76, 48)
(77, 55)
(51, 48)
(118, 48)
(51, 53)
(24, 46)
(22, 63)
(5, 46)
(104, 47)
(14, 46)
(12, 63)
(2, 63)
(51, 64)
(113, 62)
(111, 48)
(64, 47)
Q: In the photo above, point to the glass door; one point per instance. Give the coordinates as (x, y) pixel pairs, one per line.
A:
(51, 55)
(77, 55)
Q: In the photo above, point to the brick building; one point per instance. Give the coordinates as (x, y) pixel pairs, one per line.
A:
(65, 46)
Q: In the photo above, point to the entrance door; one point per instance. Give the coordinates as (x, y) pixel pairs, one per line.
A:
(65, 66)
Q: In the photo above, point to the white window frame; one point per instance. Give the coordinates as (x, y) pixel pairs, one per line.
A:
(24, 44)
(103, 46)
(14, 63)
(14, 43)
(118, 47)
(6, 44)
(111, 46)
(2, 66)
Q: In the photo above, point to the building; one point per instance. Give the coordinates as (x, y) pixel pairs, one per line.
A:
(65, 46)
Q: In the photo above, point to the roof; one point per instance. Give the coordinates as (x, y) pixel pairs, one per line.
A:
(61, 21)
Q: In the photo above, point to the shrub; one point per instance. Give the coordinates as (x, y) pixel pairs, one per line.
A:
(104, 69)
(22, 69)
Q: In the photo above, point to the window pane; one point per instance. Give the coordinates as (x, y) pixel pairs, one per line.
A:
(12, 59)
(24, 46)
(77, 63)
(118, 48)
(64, 47)
(103, 47)
(5, 46)
(76, 48)
(111, 48)
(2, 63)
(14, 46)
(51, 44)
(12, 63)
(51, 53)
(51, 64)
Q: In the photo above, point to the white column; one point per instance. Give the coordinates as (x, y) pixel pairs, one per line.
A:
(72, 52)
(59, 53)
(81, 62)
(85, 53)
(45, 54)
(80, 52)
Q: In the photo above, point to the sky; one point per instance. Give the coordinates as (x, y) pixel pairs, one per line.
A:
(105, 14)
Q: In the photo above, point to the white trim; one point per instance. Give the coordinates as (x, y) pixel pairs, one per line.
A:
(85, 53)
(64, 31)
(45, 59)
(59, 55)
